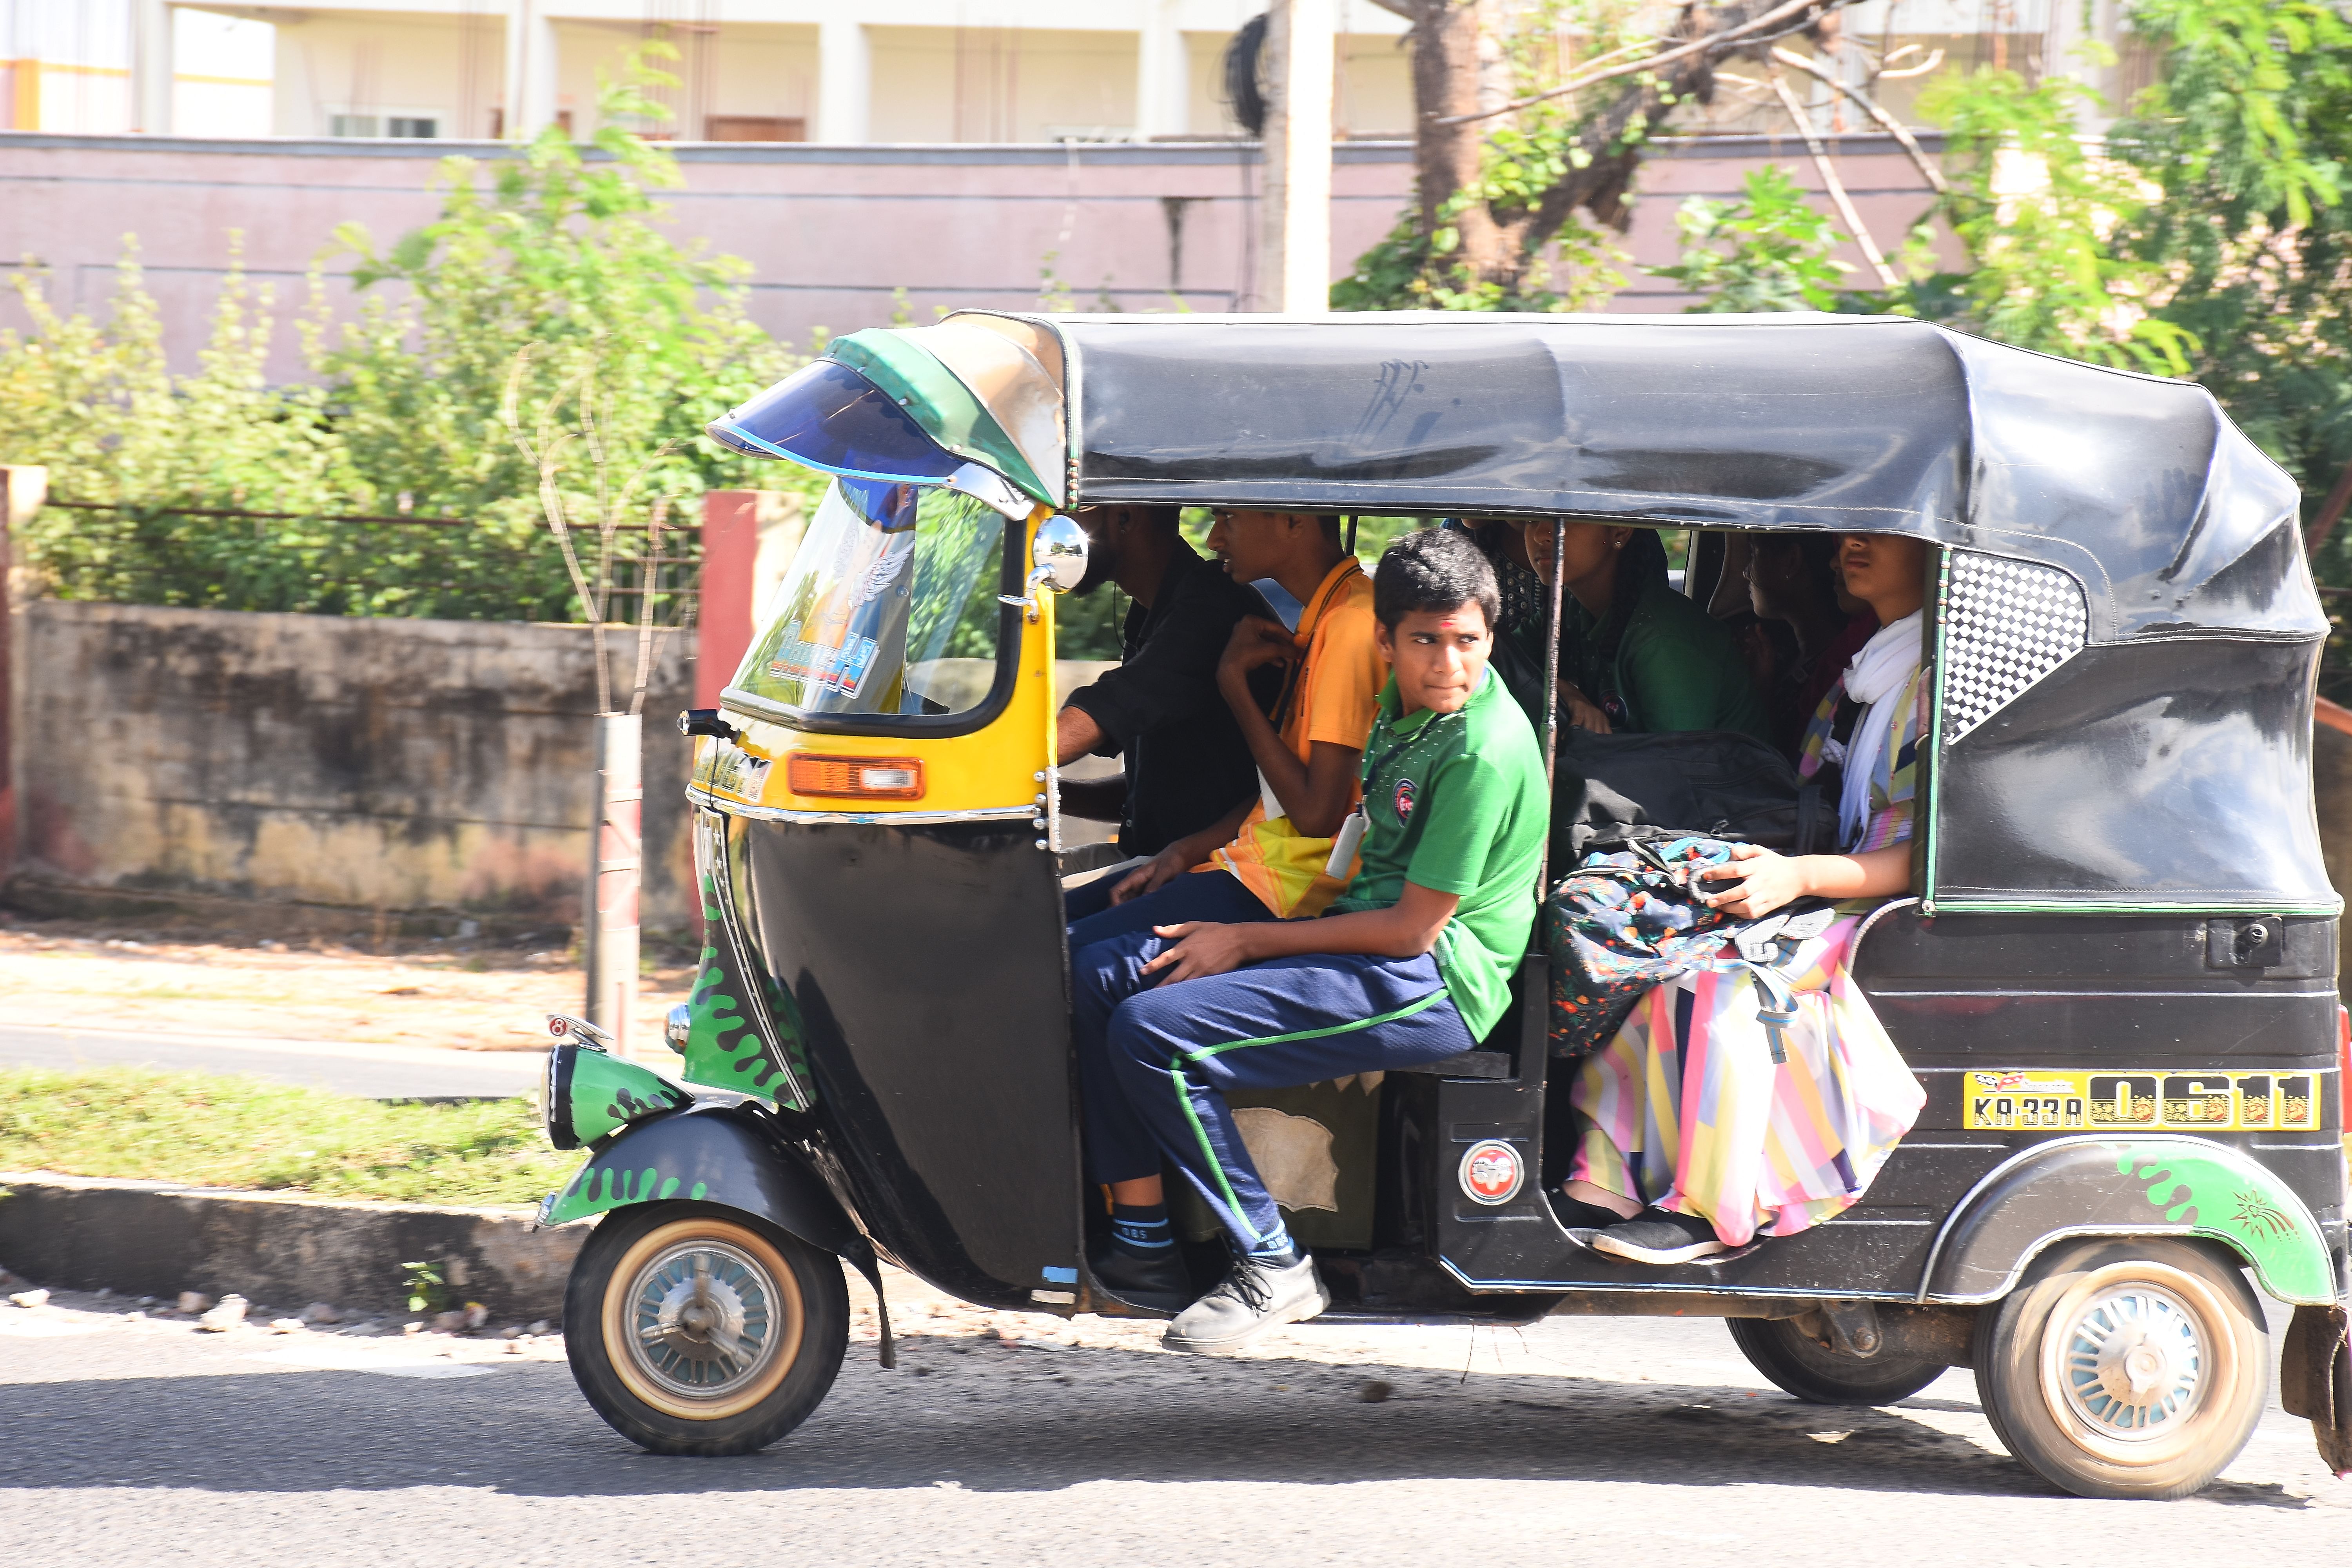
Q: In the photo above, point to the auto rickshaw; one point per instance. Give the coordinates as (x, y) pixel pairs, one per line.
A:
(2117, 976)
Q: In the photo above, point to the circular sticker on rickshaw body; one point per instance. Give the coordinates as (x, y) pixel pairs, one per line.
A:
(1492, 1172)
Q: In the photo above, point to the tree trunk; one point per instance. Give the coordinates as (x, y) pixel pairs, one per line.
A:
(1460, 66)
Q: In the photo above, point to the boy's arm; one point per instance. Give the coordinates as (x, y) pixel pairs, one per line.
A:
(1316, 793)
(1406, 929)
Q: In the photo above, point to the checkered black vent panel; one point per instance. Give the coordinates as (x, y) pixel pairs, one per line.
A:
(2007, 624)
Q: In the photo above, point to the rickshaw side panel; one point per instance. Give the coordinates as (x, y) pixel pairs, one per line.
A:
(928, 964)
(1962, 994)
(2164, 774)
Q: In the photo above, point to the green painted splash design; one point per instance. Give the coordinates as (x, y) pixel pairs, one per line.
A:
(600, 1187)
(723, 1048)
(2241, 1204)
(608, 1093)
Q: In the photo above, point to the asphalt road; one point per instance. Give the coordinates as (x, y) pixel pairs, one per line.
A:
(1584, 1441)
(383, 1072)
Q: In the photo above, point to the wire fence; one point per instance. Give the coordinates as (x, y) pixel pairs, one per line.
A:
(367, 563)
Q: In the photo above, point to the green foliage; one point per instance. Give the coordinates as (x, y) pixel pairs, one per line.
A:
(2036, 210)
(215, 1131)
(423, 1287)
(1768, 251)
(1568, 263)
(564, 260)
(1408, 270)
(2248, 132)
(557, 252)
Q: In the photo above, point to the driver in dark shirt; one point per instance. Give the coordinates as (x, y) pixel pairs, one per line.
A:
(1186, 764)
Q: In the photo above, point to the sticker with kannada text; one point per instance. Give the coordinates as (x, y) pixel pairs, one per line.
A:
(2034, 1099)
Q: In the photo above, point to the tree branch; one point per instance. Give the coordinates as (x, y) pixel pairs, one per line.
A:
(1709, 43)
(1797, 116)
(1894, 127)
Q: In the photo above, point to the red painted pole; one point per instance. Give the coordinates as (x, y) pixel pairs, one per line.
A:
(730, 549)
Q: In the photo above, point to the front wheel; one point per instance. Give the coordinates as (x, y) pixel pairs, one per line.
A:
(2125, 1369)
(1822, 1374)
(698, 1330)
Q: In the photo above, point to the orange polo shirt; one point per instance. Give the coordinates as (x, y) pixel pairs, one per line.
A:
(1333, 698)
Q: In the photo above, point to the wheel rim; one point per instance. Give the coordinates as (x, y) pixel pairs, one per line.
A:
(2133, 1364)
(702, 1319)
(2133, 1355)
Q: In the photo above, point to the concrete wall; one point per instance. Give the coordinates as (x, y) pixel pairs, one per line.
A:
(829, 232)
(318, 772)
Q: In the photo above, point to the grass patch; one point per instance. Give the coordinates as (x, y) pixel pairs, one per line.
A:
(228, 1132)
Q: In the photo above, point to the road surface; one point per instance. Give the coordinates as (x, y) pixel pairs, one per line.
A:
(1628, 1443)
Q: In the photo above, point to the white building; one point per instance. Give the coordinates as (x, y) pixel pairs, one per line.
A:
(840, 72)
(751, 70)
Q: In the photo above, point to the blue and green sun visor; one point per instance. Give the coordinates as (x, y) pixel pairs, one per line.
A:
(877, 407)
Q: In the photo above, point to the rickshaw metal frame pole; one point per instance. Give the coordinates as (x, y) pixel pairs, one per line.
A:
(1551, 710)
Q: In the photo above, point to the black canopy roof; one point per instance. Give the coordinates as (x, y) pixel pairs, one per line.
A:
(2139, 487)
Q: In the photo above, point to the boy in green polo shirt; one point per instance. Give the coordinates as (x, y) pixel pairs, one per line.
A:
(1410, 965)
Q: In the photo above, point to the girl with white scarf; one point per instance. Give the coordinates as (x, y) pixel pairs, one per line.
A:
(1888, 572)
(1780, 1149)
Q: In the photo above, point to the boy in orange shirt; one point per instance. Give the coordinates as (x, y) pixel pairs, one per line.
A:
(1266, 858)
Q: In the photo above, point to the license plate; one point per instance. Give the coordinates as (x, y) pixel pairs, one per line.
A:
(2039, 1100)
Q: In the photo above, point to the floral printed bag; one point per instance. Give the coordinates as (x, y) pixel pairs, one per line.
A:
(1628, 920)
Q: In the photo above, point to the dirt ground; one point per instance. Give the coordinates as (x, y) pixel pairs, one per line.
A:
(467, 994)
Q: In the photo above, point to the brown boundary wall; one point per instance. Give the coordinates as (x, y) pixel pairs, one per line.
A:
(829, 232)
(326, 774)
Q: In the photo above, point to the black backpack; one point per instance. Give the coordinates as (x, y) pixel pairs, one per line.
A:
(1608, 789)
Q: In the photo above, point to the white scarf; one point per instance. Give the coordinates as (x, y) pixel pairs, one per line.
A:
(1875, 678)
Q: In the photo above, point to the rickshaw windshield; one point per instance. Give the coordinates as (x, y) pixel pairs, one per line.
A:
(889, 607)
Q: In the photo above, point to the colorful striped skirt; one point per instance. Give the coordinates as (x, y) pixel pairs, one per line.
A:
(1686, 1108)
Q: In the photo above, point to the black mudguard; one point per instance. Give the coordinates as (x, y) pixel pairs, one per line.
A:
(2154, 1185)
(713, 1155)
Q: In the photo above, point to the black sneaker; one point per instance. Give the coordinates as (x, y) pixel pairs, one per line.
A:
(1575, 1214)
(1254, 1298)
(1157, 1280)
(1660, 1236)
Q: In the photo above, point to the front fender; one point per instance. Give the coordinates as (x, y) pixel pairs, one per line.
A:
(715, 1155)
(2153, 1186)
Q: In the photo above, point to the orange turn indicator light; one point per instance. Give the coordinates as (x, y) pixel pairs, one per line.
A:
(863, 778)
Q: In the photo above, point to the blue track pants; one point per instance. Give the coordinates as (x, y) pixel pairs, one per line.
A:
(1154, 1060)
(1194, 896)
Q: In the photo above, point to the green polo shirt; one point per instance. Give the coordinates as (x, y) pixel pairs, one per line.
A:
(1455, 803)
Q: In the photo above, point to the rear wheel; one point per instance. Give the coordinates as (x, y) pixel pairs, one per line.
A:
(698, 1330)
(2126, 1369)
(1822, 1374)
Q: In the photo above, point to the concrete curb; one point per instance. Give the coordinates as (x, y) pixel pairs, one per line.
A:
(158, 1239)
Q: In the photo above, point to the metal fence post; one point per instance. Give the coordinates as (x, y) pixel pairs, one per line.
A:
(616, 858)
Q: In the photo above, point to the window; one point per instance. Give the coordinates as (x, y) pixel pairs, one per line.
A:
(754, 128)
(354, 125)
(889, 609)
(415, 126)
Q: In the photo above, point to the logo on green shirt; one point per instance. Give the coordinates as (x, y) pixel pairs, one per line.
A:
(1404, 792)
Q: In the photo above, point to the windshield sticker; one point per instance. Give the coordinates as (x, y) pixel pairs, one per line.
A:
(897, 550)
(842, 668)
(739, 773)
(2037, 1101)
